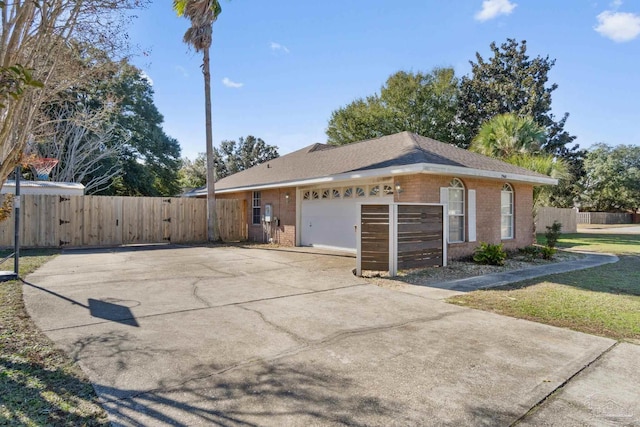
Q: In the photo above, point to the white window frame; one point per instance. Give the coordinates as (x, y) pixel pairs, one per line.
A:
(456, 185)
(507, 189)
(256, 201)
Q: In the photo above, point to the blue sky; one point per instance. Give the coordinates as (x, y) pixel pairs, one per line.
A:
(280, 68)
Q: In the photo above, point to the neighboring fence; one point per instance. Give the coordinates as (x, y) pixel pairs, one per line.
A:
(545, 217)
(75, 221)
(604, 218)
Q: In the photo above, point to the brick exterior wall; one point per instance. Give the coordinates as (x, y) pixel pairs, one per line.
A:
(419, 188)
(426, 189)
(282, 207)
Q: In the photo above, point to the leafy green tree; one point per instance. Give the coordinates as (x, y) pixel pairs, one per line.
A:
(107, 133)
(202, 14)
(612, 179)
(511, 82)
(230, 158)
(193, 173)
(234, 157)
(151, 158)
(423, 103)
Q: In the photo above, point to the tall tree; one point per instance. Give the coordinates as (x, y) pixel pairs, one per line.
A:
(423, 103)
(35, 40)
(612, 179)
(202, 14)
(151, 158)
(511, 82)
(107, 134)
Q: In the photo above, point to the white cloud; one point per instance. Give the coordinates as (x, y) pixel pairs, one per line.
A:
(278, 47)
(182, 71)
(229, 83)
(145, 76)
(618, 26)
(494, 8)
(616, 4)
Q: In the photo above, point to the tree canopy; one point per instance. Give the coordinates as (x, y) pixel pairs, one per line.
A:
(107, 134)
(512, 82)
(612, 179)
(423, 103)
(230, 158)
(37, 59)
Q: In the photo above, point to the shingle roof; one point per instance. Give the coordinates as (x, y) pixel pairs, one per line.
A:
(400, 149)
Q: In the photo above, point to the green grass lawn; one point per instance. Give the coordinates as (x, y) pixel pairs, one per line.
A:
(620, 244)
(603, 300)
(39, 384)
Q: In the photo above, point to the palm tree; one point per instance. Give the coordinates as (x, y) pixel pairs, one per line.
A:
(508, 134)
(202, 14)
(518, 140)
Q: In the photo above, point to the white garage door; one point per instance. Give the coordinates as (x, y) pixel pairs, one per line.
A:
(329, 216)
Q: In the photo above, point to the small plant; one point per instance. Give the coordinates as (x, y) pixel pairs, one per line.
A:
(490, 254)
(553, 234)
(530, 252)
(547, 252)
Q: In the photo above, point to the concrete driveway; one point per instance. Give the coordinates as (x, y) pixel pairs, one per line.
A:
(243, 337)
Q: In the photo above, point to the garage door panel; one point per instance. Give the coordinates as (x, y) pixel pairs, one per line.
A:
(332, 222)
(329, 223)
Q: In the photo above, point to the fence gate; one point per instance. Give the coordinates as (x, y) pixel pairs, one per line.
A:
(373, 253)
(401, 236)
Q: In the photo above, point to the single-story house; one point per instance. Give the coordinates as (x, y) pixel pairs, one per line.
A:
(312, 197)
(50, 188)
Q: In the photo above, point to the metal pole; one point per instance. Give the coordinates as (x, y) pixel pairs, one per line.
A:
(16, 231)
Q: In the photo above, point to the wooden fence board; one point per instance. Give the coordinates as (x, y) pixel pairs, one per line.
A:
(374, 237)
(74, 221)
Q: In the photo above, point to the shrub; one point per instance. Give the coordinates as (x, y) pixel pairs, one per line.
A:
(548, 252)
(552, 234)
(530, 252)
(490, 254)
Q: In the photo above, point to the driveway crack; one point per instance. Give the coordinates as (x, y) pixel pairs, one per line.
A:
(194, 293)
(289, 352)
(296, 337)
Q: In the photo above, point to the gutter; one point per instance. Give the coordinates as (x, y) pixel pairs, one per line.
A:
(426, 168)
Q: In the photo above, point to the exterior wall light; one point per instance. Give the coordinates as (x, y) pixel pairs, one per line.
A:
(398, 188)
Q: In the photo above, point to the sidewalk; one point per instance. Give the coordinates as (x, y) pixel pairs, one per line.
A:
(500, 279)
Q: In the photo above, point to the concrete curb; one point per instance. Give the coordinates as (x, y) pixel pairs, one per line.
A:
(500, 279)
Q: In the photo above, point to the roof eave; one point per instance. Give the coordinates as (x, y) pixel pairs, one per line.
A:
(427, 168)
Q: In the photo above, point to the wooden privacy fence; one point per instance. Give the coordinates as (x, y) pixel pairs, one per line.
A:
(75, 221)
(545, 216)
(604, 218)
(400, 236)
